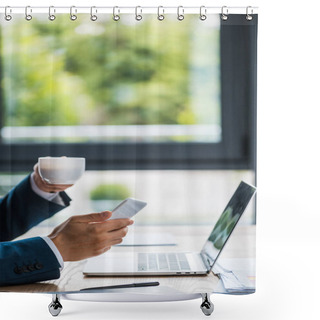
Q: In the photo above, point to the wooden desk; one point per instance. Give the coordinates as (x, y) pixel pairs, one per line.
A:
(189, 238)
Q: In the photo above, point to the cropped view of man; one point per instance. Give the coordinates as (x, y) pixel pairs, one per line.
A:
(41, 258)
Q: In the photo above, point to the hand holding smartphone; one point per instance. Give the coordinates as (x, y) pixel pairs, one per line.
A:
(127, 208)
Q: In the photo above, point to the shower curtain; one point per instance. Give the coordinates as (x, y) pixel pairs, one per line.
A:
(161, 104)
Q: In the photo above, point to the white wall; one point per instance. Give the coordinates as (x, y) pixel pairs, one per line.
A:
(288, 178)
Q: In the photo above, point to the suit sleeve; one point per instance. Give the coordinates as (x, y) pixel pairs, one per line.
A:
(27, 261)
(21, 209)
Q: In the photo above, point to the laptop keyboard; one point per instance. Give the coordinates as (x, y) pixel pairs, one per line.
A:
(162, 262)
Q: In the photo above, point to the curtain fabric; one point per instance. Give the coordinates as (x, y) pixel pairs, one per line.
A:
(163, 111)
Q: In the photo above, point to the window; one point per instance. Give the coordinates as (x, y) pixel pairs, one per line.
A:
(129, 95)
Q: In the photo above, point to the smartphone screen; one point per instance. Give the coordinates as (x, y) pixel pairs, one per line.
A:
(127, 208)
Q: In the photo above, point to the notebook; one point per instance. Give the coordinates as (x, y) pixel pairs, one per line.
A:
(176, 263)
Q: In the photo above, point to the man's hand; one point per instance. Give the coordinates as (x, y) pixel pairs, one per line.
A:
(47, 187)
(85, 236)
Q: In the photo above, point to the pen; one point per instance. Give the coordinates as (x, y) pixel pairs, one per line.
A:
(129, 285)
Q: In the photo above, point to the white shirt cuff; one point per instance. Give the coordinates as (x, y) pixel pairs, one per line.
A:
(54, 197)
(55, 251)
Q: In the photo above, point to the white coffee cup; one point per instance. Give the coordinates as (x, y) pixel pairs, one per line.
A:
(61, 170)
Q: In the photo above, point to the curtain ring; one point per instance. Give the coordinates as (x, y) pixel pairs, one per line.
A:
(93, 17)
(28, 11)
(180, 15)
(116, 17)
(249, 15)
(224, 13)
(52, 16)
(203, 13)
(160, 16)
(73, 16)
(138, 16)
(7, 16)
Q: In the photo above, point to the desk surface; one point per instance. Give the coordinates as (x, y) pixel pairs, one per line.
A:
(189, 238)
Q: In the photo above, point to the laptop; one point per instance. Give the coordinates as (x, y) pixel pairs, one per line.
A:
(176, 263)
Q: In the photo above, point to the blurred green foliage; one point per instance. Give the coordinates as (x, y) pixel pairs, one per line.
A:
(103, 72)
(223, 228)
(110, 192)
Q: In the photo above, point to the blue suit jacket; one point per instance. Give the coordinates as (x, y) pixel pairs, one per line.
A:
(29, 260)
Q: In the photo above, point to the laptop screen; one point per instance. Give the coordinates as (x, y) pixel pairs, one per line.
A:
(227, 222)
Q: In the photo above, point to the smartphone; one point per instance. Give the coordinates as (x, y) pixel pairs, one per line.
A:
(127, 208)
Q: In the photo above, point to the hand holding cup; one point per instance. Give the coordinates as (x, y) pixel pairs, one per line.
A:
(56, 174)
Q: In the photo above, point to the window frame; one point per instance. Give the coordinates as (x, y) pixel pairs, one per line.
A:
(237, 149)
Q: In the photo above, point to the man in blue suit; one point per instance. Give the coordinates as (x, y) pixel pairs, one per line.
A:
(41, 258)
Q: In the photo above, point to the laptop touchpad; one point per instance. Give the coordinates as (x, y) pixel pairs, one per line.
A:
(111, 262)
